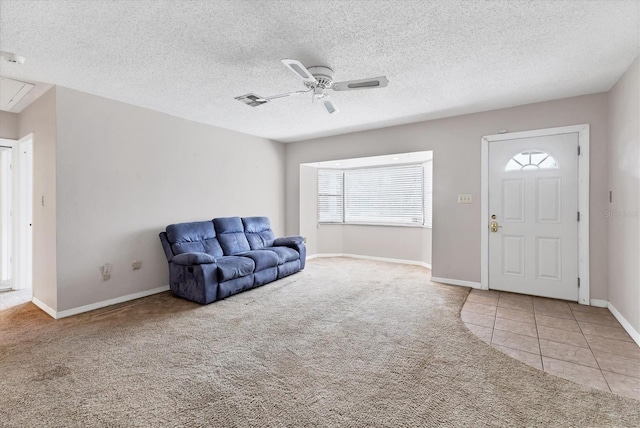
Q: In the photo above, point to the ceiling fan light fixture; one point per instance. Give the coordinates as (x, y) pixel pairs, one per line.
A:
(316, 80)
(330, 106)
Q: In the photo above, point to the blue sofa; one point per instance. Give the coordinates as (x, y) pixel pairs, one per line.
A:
(212, 260)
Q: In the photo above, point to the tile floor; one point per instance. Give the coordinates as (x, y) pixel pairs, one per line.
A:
(583, 344)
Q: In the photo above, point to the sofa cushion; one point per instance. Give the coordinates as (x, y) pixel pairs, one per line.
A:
(285, 254)
(190, 259)
(258, 232)
(289, 240)
(230, 234)
(263, 259)
(194, 237)
(231, 267)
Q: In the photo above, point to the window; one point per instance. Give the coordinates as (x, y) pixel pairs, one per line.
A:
(377, 195)
(330, 198)
(531, 160)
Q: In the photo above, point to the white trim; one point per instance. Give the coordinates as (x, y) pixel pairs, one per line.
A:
(388, 260)
(625, 324)
(14, 218)
(23, 228)
(484, 214)
(571, 129)
(323, 255)
(39, 303)
(456, 282)
(583, 208)
(599, 303)
(379, 259)
(98, 305)
(583, 200)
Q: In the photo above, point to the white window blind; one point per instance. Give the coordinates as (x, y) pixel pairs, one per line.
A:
(330, 196)
(386, 195)
(428, 194)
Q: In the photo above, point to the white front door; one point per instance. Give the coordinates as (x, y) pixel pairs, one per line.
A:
(533, 216)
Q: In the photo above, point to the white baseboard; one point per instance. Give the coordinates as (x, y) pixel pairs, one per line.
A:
(322, 255)
(379, 259)
(599, 303)
(625, 324)
(456, 282)
(43, 306)
(98, 305)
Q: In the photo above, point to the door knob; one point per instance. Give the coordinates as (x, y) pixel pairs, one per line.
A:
(493, 226)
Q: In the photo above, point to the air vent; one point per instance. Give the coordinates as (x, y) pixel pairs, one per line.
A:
(12, 92)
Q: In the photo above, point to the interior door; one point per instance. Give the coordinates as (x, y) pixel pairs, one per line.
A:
(533, 216)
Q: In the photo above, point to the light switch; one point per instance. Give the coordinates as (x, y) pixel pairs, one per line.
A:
(106, 271)
(464, 199)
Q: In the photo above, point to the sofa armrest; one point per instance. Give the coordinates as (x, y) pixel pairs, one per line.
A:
(287, 241)
(192, 259)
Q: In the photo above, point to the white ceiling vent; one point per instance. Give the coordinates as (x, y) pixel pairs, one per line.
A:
(12, 92)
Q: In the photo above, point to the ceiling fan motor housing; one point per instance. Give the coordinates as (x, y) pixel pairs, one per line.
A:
(324, 76)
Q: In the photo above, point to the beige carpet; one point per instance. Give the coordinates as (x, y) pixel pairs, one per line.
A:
(345, 343)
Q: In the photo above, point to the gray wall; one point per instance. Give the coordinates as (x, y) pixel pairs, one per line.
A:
(455, 143)
(9, 125)
(125, 173)
(40, 119)
(624, 181)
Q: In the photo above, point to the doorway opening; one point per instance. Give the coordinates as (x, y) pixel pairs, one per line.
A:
(16, 221)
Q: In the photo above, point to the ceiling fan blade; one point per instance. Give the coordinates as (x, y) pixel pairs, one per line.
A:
(252, 100)
(351, 85)
(329, 106)
(300, 70)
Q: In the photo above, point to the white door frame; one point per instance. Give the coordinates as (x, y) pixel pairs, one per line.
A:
(13, 246)
(583, 200)
(25, 210)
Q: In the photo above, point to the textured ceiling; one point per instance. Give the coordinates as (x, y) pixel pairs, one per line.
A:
(442, 58)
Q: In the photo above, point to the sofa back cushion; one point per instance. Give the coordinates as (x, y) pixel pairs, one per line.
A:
(195, 237)
(258, 232)
(230, 233)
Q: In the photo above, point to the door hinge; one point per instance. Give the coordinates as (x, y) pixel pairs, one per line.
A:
(578, 150)
(578, 282)
(578, 215)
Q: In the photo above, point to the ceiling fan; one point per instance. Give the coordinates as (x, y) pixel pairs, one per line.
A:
(317, 80)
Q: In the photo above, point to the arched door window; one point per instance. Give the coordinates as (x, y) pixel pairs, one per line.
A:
(531, 160)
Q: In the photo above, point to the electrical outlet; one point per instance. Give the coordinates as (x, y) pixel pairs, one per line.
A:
(106, 271)
(464, 199)
(136, 264)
